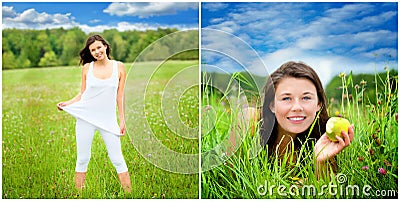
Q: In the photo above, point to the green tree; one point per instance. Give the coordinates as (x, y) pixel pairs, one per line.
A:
(8, 60)
(48, 60)
(119, 47)
(43, 43)
(23, 62)
(71, 43)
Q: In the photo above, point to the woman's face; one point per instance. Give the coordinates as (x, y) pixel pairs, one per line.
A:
(295, 104)
(98, 50)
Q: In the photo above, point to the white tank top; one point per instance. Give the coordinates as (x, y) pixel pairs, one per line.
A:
(98, 102)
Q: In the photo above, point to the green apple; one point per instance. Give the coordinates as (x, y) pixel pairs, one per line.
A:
(334, 127)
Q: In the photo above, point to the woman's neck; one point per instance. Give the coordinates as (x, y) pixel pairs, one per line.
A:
(103, 62)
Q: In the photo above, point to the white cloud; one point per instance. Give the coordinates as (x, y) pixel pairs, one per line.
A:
(230, 52)
(227, 26)
(8, 12)
(349, 11)
(312, 42)
(30, 18)
(95, 21)
(125, 26)
(216, 20)
(327, 66)
(385, 52)
(378, 19)
(148, 9)
(213, 6)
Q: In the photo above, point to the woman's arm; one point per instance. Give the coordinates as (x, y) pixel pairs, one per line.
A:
(325, 149)
(121, 98)
(85, 69)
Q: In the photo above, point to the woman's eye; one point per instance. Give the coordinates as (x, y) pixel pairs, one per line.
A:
(306, 98)
(286, 98)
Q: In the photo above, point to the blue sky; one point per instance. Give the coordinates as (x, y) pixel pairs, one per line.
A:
(97, 16)
(331, 37)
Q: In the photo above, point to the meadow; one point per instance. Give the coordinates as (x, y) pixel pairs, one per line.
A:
(368, 168)
(38, 141)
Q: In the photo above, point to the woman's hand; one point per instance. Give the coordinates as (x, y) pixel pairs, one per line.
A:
(61, 105)
(122, 128)
(325, 148)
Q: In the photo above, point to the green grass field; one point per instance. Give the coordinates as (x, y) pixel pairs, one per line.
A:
(360, 174)
(38, 141)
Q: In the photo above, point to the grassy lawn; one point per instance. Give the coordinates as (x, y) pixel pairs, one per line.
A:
(38, 141)
(260, 175)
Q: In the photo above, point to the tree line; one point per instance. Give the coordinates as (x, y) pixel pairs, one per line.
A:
(60, 47)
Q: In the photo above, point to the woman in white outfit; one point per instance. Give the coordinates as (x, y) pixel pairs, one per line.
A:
(94, 108)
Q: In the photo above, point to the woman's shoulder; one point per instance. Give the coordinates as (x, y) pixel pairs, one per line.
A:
(85, 67)
(120, 66)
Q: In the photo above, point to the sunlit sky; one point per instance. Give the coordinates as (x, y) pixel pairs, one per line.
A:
(97, 16)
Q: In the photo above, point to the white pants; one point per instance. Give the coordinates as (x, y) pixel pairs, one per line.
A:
(84, 137)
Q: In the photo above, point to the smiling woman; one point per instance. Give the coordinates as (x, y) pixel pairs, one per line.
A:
(102, 89)
(293, 100)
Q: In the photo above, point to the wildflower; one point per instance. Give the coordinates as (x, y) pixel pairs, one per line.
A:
(208, 107)
(365, 168)
(51, 132)
(379, 102)
(356, 86)
(382, 171)
(378, 141)
(374, 136)
(342, 74)
(363, 82)
(337, 113)
(371, 151)
(387, 163)
(360, 158)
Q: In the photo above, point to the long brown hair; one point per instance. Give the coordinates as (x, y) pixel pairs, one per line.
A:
(269, 124)
(85, 54)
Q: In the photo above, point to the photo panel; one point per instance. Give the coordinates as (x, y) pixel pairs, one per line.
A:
(58, 55)
(299, 100)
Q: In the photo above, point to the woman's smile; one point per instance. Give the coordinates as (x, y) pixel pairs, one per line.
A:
(296, 119)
